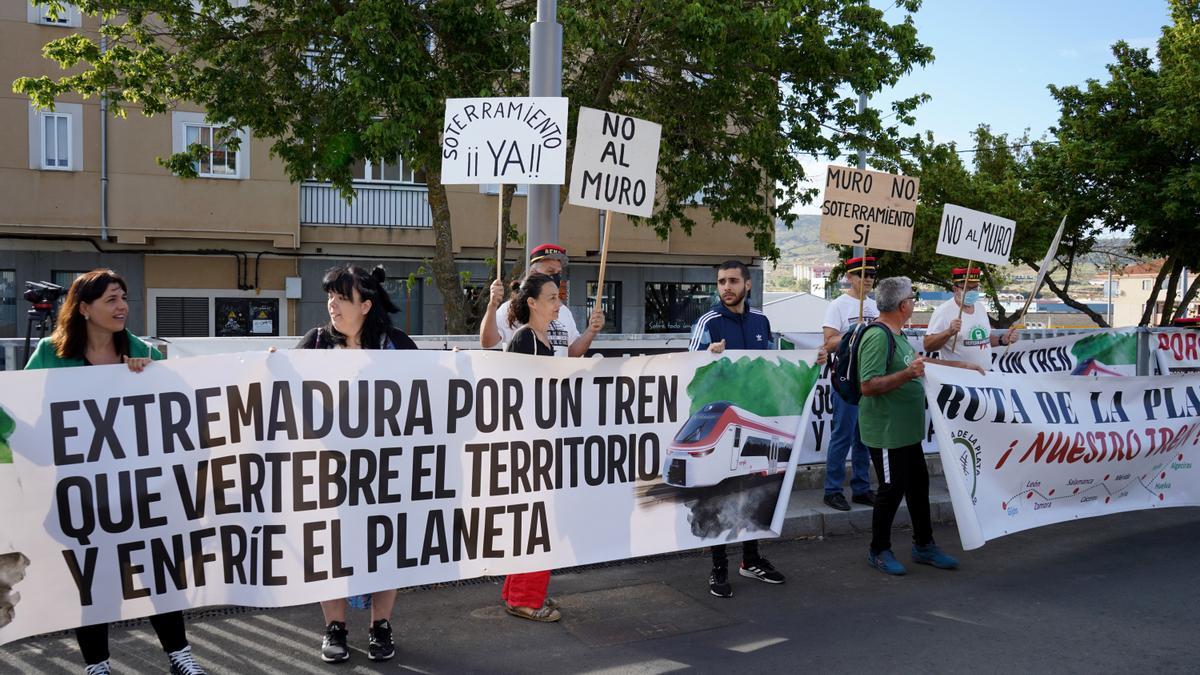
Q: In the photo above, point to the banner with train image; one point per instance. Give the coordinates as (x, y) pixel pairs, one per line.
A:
(286, 478)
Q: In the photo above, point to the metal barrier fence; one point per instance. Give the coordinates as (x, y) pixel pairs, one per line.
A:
(13, 358)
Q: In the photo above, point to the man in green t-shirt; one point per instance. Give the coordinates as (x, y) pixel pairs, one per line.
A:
(891, 422)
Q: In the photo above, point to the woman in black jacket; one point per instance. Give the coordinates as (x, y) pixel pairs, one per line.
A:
(359, 318)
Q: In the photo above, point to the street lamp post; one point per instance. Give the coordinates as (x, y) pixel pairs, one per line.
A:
(545, 79)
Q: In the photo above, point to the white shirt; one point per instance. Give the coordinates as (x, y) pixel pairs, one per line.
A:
(842, 313)
(974, 338)
(562, 331)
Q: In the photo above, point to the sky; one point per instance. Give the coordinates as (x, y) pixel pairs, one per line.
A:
(993, 61)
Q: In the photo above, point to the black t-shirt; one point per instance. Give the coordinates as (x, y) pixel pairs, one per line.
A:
(320, 338)
(525, 341)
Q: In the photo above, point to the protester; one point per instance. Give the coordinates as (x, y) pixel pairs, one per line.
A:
(359, 318)
(974, 330)
(892, 424)
(534, 309)
(495, 329)
(844, 439)
(90, 331)
(733, 324)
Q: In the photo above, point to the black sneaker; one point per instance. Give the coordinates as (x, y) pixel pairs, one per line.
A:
(837, 501)
(762, 570)
(718, 583)
(867, 498)
(381, 647)
(183, 663)
(333, 648)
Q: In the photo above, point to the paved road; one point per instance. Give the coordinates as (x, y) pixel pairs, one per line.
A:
(1112, 594)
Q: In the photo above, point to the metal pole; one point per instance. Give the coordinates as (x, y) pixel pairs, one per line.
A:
(1110, 294)
(545, 79)
(860, 251)
(103, 146)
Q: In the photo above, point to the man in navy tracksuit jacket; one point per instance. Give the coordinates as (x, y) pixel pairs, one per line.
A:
(733, 324)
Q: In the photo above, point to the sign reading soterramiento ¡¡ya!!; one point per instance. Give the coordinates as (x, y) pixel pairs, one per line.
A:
(505, 140)
(871, 209)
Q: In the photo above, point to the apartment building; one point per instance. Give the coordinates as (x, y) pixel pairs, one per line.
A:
(1133, 288)
(241, 249)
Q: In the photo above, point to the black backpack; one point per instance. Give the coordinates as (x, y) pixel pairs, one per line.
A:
(844, 361)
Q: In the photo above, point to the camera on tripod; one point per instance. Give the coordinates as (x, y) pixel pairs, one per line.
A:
(43, 294)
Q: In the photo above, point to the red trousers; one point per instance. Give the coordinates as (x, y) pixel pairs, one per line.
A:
(526, 590)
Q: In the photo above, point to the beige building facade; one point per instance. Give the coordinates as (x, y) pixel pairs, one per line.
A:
(1134, 286)
(241, 249)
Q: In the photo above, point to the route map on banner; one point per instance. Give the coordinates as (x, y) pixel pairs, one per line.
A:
(280, 479)
(1023, 451)
(1097, 353)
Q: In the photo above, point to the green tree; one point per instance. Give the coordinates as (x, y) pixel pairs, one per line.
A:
(1009, 177)
(1133, 142)
(743, 90)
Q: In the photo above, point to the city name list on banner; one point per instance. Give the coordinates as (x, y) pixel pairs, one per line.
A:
(615, 162)
(975, 235)
(505, 140)
(871, 209)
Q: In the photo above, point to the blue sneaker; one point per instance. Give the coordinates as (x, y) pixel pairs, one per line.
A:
(885, 562)
(930, 554)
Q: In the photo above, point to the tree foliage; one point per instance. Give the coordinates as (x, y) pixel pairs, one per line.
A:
(1009, 177)
(743, 90)
(1133, 143)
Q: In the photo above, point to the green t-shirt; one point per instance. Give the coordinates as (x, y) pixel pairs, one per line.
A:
(897, 418)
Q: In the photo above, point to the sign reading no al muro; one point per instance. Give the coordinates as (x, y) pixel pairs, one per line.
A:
(871, 209)
(615, 162)
(975, 236)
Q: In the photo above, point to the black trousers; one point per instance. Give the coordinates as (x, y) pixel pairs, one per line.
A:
(721, 557)
(93, 640)
(903, 475)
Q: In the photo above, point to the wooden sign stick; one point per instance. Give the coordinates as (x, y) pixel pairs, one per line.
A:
(862, 284)
(500, 235)
(603, 259)
(967, 282)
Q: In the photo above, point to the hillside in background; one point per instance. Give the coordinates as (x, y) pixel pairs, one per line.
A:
(800, 244)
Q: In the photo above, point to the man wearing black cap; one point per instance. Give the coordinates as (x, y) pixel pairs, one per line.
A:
(841, 314)
(548, 259)
(974, 329)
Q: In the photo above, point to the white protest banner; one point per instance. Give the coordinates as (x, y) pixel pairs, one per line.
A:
(975, 235)
(1177, 350)
(505, 140)
(615, 165)
(286, 478)
(871, 209)
(1023, 451)
(1095, 353)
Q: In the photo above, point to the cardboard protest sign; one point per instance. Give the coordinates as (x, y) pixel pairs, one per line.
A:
(505, 140)
(1024, 451)
(280, 479)
(975, 236)
(615, 163)
(871, 209)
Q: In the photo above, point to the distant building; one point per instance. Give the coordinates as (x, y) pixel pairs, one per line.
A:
(795, 312)
(1134, 286)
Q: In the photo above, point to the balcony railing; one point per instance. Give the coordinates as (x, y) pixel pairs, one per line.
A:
(374, 205)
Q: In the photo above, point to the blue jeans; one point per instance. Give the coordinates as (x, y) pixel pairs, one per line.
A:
(844, 436)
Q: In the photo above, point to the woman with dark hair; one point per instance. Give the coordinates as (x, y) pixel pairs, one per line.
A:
(535, 305)
(91, 332)
(359, 318)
